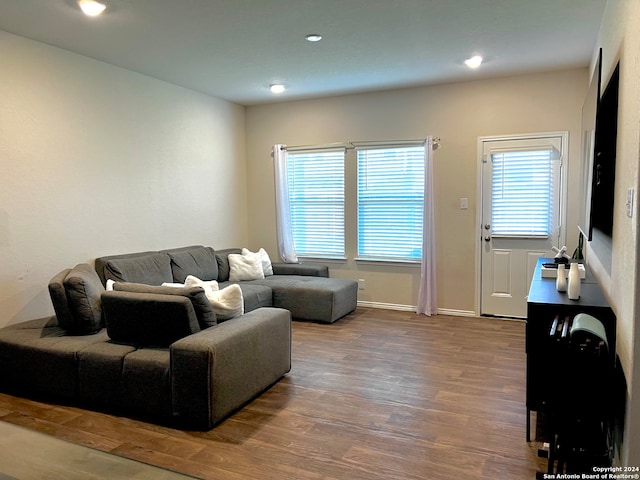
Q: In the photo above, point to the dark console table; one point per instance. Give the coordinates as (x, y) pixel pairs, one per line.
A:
(547, 359)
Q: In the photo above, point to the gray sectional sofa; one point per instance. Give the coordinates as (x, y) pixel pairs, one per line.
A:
(160, 352)
(303, 289)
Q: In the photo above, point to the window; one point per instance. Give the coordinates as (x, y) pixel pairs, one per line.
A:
(525, 192)
(316, 197)
(383, 187)
(390, 202)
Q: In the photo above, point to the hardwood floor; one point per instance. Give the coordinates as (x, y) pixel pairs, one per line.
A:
(377, 395)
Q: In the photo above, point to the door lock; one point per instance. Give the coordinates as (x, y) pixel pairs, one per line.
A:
(487, 226)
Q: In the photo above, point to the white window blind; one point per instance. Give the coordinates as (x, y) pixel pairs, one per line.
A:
(525, 192)
(316, 196)
(390, 202)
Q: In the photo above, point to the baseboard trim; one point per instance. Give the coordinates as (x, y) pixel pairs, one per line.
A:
(387, 306)
(412, 308)
(456, 313)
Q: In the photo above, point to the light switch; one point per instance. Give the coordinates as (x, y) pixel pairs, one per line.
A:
(464, 203)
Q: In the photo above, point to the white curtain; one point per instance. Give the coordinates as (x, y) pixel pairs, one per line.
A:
(427, 293)
(286, 248)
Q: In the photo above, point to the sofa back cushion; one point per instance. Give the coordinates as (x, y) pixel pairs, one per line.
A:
(201, 304)
(223, 263)
(150, 268)
(196, 260)
(83, 289)
(59, 298)
(148, 319)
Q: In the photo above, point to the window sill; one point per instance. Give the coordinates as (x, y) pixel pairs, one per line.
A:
(335, 260)
(390, 262)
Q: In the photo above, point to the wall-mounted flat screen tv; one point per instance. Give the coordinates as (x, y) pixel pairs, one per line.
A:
(589, 112)
(604, 159)
(599, 137)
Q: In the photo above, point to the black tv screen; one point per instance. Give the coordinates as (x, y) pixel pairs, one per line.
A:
(604, 159)
(589, 112)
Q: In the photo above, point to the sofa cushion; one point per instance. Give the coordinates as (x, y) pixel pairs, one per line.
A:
(307, 269)
(59, 298)
(146, 381)
(245, 267)
(254, 295)
(83, 289)
(148, 319)
(201, 305)
(152, 269)
(222, 256)
(100, 373)
(196, 260)
(40, 356)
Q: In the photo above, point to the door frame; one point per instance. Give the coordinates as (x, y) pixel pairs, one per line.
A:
(564, 158)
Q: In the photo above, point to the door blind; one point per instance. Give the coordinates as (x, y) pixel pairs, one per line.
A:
(524, 193)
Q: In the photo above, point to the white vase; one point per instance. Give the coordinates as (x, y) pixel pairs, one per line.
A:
(573, 286)
(561, 279)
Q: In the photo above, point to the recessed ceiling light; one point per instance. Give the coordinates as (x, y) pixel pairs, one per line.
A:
(277, 88)
(313, 37)
(91, 7)
(473, 62)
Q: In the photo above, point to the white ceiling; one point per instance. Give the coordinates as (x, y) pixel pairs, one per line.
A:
(234, 49)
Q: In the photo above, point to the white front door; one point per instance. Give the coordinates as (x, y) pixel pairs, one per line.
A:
(521, 209)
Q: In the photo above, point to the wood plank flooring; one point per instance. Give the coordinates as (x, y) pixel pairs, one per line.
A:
(378, 395)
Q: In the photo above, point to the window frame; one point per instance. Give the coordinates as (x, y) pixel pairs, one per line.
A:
(553, 179)
(292, 153)
(533, 138)
(398, 196)
(350, 212)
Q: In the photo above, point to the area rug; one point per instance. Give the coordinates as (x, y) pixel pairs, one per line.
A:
(26, 455)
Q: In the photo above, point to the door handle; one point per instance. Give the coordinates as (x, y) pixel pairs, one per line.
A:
(487, 238)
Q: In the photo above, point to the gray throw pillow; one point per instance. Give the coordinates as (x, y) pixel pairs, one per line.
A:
(201, 304)
(84, 288)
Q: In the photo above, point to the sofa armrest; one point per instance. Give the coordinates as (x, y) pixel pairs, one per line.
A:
(148, 319)
(216, 371)
(308, 269)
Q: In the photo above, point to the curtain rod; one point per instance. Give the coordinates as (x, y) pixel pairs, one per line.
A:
(349, 145)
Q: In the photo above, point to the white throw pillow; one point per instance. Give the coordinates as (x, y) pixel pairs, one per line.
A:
(192, 281)
(267, 269)
(227, 303)
(245, 267)
(109, 287)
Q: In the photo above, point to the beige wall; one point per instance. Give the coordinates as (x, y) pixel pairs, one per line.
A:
(620, 41)
(458, 113)
(97, 160)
